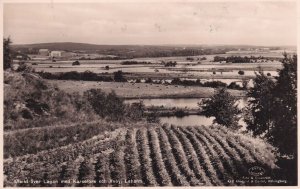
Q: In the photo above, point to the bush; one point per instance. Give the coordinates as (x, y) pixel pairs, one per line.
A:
(153, 117)
(149, 80)
(179, 113)
(241, 72)
(110, 105)
(26, 114)
(118, 76)
(73, 75)
(24, 68)
(135, 111)
(169, 64)
(76, 63)
(234, 85)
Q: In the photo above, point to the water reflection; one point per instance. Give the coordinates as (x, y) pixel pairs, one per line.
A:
(190, 103)
(190, 120)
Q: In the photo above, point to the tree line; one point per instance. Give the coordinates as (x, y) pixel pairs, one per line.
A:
(240, 59)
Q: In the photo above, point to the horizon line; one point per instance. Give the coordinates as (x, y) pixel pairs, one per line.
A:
(159, 44)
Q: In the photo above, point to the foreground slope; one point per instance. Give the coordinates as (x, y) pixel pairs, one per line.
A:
(140, 156)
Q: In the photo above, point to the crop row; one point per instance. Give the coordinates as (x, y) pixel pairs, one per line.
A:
(156, 156)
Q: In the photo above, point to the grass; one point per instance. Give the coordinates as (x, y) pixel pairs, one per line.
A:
(139, 90)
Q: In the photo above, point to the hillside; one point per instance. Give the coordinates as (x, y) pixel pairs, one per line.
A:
(141, 156)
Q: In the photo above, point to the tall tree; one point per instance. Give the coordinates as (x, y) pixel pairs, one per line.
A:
(259, 111)
(223, 106)
(284, 133)
(7, 53)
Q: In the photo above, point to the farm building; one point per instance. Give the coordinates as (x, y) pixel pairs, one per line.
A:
(62, 54)
(56, 53)
(44, 52)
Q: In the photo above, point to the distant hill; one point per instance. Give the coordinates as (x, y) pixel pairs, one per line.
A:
(133, 51)
(69, 46)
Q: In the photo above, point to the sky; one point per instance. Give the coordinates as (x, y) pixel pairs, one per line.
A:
(155, 23)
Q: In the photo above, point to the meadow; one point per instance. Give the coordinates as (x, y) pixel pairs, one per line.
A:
(139, 90)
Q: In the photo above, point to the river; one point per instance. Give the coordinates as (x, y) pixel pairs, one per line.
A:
(190, 103)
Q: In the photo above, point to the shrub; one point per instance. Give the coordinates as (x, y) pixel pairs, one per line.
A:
(234, 85)
(76, 63)
(149, 80)
(26, 114)
(24, 68)
(241, 72)
(179, 113)
(169, 64)
(153, 117)
(118, 76)
(110, 105)
(135, 111)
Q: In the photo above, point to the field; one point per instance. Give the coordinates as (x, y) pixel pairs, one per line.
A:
(145, 156)
(139, 90)
(184, 68)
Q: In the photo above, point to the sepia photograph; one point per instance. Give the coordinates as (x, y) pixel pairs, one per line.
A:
(149, 93)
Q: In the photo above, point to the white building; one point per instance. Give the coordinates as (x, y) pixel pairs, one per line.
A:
(56, 54)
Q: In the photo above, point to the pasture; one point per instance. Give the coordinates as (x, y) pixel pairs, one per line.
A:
(139, 90)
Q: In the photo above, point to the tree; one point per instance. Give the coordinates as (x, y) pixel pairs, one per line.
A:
(7, 53)
(258, 113)
(223, 106)
(136, 111)
(118, 76)
(115, 107)
(284, 132)
(97, 99)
